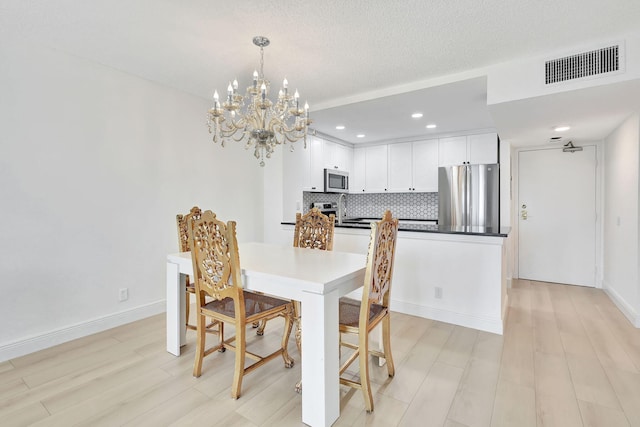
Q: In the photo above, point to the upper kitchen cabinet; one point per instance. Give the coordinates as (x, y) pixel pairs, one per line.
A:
(425, 166)
(413, 166)
(473, 149)
(375, 172)
(483, 148)
(369, 173)
(337, 156)
(400, 167)
(324, 155)
(314, 178)
(356, 178)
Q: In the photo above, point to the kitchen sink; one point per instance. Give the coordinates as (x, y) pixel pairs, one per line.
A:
(402, 221)
(358, 220)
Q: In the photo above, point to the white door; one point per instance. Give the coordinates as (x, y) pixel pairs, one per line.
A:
(557, 216)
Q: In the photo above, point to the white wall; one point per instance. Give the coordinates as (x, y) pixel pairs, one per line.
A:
(94, 166)
(621, 255)
(524, 78)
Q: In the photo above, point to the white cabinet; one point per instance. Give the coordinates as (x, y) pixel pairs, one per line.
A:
(425, 166)
(413, 166)
(375, 174)
(400, 167)
(483, 148)
(324, 154)
(453, 151)
(314, 180)
(337, 156)
(474, 149)
(356, 177)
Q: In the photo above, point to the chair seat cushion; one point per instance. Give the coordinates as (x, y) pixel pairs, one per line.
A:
(350, 311)
(253, 304)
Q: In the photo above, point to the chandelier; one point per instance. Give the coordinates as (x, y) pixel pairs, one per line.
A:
(255, 118)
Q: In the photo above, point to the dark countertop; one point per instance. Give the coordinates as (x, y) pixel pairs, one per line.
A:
(430, 227)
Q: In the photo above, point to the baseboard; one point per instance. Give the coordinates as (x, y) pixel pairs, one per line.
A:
(483, 323)
(626, 309)
(59, 336)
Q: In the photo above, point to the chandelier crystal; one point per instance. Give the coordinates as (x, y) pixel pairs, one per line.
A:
(255, 118)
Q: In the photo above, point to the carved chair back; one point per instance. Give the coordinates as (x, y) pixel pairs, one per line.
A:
(216, 262)
(182, 222)
(380, 259)
(314, 230)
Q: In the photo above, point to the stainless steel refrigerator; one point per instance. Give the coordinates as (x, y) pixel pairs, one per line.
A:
(469, 196)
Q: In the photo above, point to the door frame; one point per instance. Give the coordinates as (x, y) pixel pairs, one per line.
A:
(599, 227)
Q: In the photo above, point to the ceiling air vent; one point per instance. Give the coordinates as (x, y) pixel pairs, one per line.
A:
(584, 64)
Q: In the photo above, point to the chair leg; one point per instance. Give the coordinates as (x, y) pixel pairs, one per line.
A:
(222, 348)
(288, 324)
(261, 325)
(188, 306)
(386, 344)
(364, 371)
(201, 336)
(241, 347)
(297, 307)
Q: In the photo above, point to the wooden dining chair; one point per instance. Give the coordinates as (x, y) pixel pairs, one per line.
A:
(217, 275)
(313, 230)
(182, 221)
(360, 317)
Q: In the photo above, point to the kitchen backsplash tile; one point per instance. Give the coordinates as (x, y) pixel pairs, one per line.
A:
(373, 205)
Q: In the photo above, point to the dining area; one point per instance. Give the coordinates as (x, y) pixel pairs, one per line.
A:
(301, 288)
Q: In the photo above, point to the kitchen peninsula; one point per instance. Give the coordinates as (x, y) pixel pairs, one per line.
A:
(447, 274)
(456, 275)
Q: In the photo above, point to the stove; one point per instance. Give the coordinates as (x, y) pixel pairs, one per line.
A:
(327, 208)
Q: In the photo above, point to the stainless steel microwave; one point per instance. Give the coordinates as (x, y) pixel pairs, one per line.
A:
(336, 181)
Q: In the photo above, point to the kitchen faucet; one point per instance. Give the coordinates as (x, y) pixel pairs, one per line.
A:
(341, 211)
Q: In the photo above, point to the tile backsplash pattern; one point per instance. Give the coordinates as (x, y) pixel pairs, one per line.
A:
(373, 205)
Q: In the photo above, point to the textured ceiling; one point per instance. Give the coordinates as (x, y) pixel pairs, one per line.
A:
(333, 51)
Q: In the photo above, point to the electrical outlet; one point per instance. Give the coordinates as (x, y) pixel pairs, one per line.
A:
(123, 294)
(438, 292)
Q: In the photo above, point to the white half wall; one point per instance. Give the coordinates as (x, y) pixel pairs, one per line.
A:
(94, 166)
(621, 252)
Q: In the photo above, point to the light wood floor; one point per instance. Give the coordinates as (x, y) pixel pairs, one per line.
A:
(568, 358)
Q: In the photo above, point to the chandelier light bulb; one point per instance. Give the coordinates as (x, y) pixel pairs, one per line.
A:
(235, 85)
(255, 78)
(263, 91)
(285, 84)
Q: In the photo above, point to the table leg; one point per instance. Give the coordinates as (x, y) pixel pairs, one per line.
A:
(320, 359)
(176, 334)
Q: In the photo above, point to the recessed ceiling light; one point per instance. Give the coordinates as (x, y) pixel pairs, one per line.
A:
(431, 126)
(340, 127)
(360, 135)
(561, 128)
(416, 115)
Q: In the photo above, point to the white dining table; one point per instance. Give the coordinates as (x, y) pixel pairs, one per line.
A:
(315, 278)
